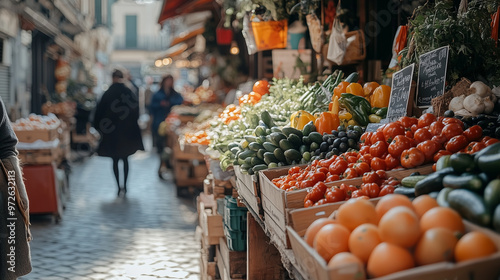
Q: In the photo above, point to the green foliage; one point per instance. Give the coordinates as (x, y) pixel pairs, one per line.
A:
(472, 51)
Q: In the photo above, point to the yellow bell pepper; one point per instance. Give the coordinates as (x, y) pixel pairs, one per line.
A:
(335, 105)
(300, 118)
(380, 96)
(345, 116)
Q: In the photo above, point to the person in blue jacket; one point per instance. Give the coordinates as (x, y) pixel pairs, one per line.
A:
(161, 104)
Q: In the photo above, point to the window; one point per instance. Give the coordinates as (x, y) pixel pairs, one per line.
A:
(131, 31)
(1, 50)
(98, 12)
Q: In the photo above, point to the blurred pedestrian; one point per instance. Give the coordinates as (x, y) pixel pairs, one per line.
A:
(14, 225)
(161, 104)
(116, 119)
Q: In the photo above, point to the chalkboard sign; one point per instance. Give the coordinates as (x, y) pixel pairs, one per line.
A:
(432, 75)
(372, 127)
(400, 93)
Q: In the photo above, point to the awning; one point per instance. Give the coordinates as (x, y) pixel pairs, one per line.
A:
(188, 34)
(173, 8)
(174, 50)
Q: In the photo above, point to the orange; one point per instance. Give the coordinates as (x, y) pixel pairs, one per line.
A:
(261, 87)
(356, 212)
(473, 245)
(313, 229)
(331, 240)
(400, 226)
(423, 204)
(436, 245)
(368, 88)
(350, 265)
(388, 258)
(442, 217)
(363, 240)
(355, 89)
(390, 201)
(341, 88)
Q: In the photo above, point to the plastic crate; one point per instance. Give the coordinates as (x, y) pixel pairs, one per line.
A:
(235, 217)
(236, 239)
(221, 206)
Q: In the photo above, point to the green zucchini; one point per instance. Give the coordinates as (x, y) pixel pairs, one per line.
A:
(272, 165)
(442, 198)
(292, 154)
(306, 140)
(257, 161)
(290, 130)
(269, 157)
(470, 182)
(279, 154)
(489, 164)
(254, 146)
(316, 137)
(433, 182)
(470, 205)
(260, 153)
(352, 78)
(259, 167)
(492, 194)
(276, 137)
(462, 162)
(409, 192)
(295, 140)
(269, 146)
(443, 162)
(308, 128)
(490, 150)
(411, 181)
(260, 131)
(250, 139)
(247, 153)
(267, 119)
(285, 145)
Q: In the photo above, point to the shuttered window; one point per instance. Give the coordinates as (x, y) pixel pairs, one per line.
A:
(131, 31)
(5, 84)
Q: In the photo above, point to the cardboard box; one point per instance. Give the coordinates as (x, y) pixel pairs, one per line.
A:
(30, 136)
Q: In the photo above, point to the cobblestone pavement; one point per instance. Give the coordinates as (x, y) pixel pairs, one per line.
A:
(147, 235)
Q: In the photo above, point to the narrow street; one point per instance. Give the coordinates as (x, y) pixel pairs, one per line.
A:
(149, 234)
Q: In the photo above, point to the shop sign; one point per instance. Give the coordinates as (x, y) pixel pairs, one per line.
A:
(432, 75)
(400, 93)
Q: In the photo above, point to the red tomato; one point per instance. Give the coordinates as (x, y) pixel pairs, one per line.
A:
(391, 130)
(439, 139)
(350, 173)
(429, 148)
(446, 121)
(352, 159)
(371, 189)
(377, 164)
(474, 147)
(398, 145)
(377, 136)
(426, 120)
(358, 194)
(371, 177)
(322, 170)
(294, 170)
(381, 128)
(361, 168)
(414, 128)
(412, 157)
(473, 133)
(327, 162)
(365, 138)
(409, 134)
(386, 189)
(332, 178)
(391, 162)
(317, 192)
(422, 134)
(364, 150)
(338, 167)
(436, 127)
(439, 154)
(306, 184)
(335, 194)
(451, 130)
(318, 177)
(308, 203)
(485, 139)
(378, 149)
(456, 143)
(382, 174)
(407, 122)
(491, 142)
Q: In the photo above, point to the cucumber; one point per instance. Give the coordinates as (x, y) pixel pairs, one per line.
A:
(276, 129)
(276, 137)
(295, 140)
(433, 182)
(260, 153)
(292, 154)
(248, 160)
(250, 139)
(490, 150)
(352, 78)
(232, 145)
(259, 167)
(443, 162)
(272, 165)
(470, 205)
(409, 192)
(260, 131)
(250, 171)
(285, 145)
(254, 146)
(461, 162)
(290, 130)
(306, 140)
(496, 219)
(235, 150)
(492, 194)
(267, 119)
(470, 182)
(442, 198)
(261, 139)
(278, 153)
(269, 157)
(245, 167)
(411, 181)
(257, 161)
(489, 164)
(308, 128)
(247, 153)
(316, 137)
(269, 146)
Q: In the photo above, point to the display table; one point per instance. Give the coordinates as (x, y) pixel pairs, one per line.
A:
(43, 190)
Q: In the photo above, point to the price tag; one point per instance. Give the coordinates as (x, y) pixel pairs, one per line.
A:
(432, 75)
(400, 93)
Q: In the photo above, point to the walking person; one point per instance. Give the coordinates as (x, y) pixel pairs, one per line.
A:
(14, 207)
(116, 119)
(161, 104)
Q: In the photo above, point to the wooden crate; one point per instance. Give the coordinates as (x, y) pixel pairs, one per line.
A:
(211, 224)
(315, 267)
(248, 189)
(232, 265)
(40, 156)
(184, 171)
(30, 136)
(179, 154)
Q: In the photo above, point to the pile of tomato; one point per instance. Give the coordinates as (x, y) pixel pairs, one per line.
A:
(374, 184)
(411, 142)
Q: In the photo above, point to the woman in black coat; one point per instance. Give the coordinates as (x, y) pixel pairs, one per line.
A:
(116, 120)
